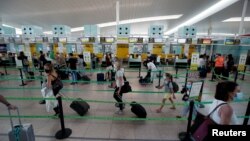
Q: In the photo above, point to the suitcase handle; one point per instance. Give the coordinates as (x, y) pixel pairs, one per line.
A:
(11, 121)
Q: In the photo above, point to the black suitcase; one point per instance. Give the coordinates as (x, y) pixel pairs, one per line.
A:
(138, 110)
(81, 107)
(203, 73)
(100, 77)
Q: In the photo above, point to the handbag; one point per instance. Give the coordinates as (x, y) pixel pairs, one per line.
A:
(201, 124)
(57, 85)
(126, 87)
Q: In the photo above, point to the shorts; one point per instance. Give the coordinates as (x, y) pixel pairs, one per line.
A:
(167, 95)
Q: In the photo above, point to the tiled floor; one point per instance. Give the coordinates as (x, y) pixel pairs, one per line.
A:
(106, 130)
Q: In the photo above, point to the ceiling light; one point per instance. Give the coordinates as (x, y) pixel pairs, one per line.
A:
(217, 34)
(48, 32)
(76, 29)
(146, 19)
(237, 19)
(204, 14)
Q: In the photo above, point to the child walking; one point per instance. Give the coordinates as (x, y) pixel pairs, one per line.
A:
(168, 84)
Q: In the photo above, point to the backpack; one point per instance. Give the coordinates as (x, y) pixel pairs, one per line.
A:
(25, 62)
(175, 87)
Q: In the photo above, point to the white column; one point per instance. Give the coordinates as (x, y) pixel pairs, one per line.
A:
(243, 17)
(117, 14)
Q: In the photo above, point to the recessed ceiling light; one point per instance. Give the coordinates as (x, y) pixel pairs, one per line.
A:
(237, 19)
(204, 14)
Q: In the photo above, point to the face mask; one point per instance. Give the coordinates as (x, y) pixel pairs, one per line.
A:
(238, 96)
(188, 86)
(47, 71)
(164, 77)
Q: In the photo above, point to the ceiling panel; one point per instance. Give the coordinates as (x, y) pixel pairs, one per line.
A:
(76, 13)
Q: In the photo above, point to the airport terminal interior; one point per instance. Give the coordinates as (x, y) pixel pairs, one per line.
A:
(122, 70)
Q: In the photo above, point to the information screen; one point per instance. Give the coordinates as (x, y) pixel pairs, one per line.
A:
(63, 40)
(85, 40)
(39, 39)
(151, 40)
(109, 39)
(181, 41)
(207, 41)
(229, 42)
(3, 48)
(158, 40)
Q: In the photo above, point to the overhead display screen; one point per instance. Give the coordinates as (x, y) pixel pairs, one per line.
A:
(63, 39)
(3, 48)
(158, 40)
(181, 41)
(132, 40)
(207, 41)
(88, 39)
(229, 42)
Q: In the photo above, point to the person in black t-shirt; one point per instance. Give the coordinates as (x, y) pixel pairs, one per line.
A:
(42, 60)
(108, 67)
(25, 63)
(72, 65)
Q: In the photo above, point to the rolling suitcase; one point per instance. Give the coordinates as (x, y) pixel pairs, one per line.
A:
(138, 110)
(100, 77)
(21, 132)
(81, 107)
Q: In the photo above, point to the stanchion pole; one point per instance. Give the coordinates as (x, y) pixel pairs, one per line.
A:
(186, 136)
(41, 78)
(186, 79)
(139, 72)
(21, 75)
(5, 70)
(236, 76)
(243, 76)
(41, 81)
(64, 132)
(213, 75)
(159, 80)
(245, 122)
(176, 72)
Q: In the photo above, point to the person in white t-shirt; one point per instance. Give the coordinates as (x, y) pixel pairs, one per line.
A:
(151, 66)
(119, 80)
(225, 93)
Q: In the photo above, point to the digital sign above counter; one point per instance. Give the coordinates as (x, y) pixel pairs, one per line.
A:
(107, 39)
(88, 39)
(135, 40)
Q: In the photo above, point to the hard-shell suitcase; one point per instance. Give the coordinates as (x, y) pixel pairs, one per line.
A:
(81, 107)
(100, 76)
(138, 110)
(21, 132)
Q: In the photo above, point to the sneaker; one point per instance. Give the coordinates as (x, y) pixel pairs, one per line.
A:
(72, 83)
(56, 115)
(119, 112)
(42, 102)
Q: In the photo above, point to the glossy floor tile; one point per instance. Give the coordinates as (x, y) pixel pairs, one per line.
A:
(100, 126)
